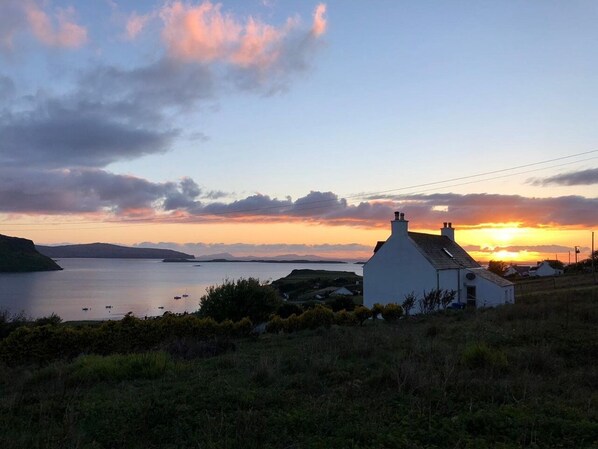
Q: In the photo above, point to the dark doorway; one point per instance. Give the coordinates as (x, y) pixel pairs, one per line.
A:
(471, 296)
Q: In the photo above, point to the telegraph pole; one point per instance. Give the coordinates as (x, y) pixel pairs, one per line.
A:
(592, 257)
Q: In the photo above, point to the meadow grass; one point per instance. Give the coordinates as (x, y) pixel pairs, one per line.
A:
(518, 376)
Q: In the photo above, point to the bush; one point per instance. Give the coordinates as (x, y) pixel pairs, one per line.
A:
(287, 309)
(409, 302)
(392, 312)
(341, 303)
(235, 300)
(93, 368)
(317, 317)
(344, 318)
(377, 310)
(362, 313)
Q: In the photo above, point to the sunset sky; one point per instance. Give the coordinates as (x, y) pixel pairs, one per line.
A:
(265, 127)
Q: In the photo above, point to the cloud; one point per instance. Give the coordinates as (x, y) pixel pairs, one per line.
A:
(471, 210)
(56, 30)
(250, 53)
(548, 249)
(136, 23)
(319, 26)
(67, 34)
(59, 133)
(583, 177)
(36, 190)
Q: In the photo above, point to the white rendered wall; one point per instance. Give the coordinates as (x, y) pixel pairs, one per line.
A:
(396, 270)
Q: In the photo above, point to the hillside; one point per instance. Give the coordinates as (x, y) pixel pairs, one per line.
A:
(19, 255)
(108, 251)
(518, 376)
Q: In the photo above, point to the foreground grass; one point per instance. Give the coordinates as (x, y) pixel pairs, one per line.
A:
(519, 376)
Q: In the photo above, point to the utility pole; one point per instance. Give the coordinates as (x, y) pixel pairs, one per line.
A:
(576, 253)
(592, 257)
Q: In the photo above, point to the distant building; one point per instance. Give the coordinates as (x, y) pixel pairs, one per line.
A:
(547, 268)
(343, 291)
(414, 262)
(517, 271)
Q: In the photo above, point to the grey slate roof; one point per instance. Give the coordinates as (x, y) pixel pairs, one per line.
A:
(490, 276)
(435, 248)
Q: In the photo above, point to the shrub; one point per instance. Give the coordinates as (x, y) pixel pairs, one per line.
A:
(377, 310)
(392, 312)
(316, 317)
(409, 302)
(287, 309)
(275, 325)
(234, 300)
(361, 314)
(344, 318)
(341, 303)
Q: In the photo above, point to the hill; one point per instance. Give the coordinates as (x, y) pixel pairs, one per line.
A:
(19, 255)
(108, 251)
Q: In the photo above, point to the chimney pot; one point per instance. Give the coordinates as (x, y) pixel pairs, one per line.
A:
(450, 225)
(444, 224)
(402, 216)
(397, 215)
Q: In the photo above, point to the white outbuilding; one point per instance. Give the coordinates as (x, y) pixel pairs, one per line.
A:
(547, 268)
(414, 262)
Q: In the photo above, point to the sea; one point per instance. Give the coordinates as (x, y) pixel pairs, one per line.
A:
(104, 289)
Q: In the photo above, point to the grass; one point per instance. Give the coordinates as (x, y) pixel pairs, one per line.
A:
(519, 376)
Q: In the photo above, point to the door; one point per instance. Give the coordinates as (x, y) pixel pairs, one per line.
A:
(471, 296)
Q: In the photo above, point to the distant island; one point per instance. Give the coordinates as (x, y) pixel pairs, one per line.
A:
(19, 255)
(108, 251)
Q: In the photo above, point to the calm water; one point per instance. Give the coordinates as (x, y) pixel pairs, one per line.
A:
(138, 286)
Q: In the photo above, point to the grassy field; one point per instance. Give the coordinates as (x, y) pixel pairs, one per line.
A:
(519, 376)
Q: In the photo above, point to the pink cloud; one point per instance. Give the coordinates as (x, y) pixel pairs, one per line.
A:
(136, 23)
(204, 33)
(67, 34)
(319, 26)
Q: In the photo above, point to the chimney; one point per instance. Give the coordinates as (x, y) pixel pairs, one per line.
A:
(448, 231)
(399, 225)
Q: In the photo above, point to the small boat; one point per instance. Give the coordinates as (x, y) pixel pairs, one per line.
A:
(185, 295)
(85, 309)
(108, 307)
(160, 307)
(177, 297)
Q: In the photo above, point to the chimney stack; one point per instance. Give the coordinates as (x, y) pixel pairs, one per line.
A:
(448, 231)
(399, 226)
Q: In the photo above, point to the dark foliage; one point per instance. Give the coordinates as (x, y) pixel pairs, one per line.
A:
(339, 303)
(234, 300)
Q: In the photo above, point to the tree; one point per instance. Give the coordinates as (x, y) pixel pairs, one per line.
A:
(234, 300)
(497, 267)
(409, 302)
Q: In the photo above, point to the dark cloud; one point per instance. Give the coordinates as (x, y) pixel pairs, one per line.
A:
(7, 88)
(85, 190)
(57, 134)
(578, 178)
(471, 210)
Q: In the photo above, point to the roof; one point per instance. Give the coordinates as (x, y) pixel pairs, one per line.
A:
(490, 276)
(442, 252)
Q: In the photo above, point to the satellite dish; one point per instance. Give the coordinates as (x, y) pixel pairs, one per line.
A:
(470, 276)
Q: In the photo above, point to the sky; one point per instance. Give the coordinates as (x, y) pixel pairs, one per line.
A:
(267, 127)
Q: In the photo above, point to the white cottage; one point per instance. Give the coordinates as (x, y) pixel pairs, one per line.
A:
(415, 262)
(546, 268)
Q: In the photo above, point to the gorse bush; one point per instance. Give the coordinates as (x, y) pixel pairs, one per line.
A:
(377, 310)
(392, 312)
(361, 314)
(50, 342)
(234, 300)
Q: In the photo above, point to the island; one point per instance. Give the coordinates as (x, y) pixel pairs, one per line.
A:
(109, 251)
(19, 255)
